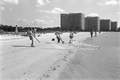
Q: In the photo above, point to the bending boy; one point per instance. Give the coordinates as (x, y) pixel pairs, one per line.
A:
(58, 36)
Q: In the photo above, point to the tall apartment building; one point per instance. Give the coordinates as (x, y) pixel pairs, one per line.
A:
(114, 26)
(72, 21)
(92, 23)
(105, 24)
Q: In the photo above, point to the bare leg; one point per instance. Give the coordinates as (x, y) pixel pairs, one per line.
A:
(91, 36)
(70, 41)
(32, 44)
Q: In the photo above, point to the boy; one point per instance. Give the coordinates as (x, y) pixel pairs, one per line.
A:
(58, 36)
(30, 34)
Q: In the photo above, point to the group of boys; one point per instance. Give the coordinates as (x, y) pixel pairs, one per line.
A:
(31, 34)
(60, 39)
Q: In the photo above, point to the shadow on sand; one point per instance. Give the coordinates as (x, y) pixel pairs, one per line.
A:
(20, 46)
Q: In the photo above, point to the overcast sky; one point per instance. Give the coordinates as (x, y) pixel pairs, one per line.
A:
(46, 13)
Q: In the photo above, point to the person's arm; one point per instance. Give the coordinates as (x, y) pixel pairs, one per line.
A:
(31, 33)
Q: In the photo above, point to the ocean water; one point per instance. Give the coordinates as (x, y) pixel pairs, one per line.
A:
(96, 59)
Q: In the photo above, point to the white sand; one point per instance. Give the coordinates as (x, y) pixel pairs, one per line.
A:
(9, 37)
(45, 61)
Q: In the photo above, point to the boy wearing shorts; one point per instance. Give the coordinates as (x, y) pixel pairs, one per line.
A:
(30, 34)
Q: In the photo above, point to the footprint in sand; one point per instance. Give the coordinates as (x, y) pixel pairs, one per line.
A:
(53, 68)
(46, 76)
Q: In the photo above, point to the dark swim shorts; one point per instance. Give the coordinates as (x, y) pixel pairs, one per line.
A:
(71, 37)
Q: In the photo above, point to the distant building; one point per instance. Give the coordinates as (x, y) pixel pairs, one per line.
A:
(113, 26)
(105, 24)
(72, 21)
(92, 23)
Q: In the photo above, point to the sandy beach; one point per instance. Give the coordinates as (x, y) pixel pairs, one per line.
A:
(84, 59)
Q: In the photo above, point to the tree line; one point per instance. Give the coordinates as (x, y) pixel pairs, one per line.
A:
(9, 28)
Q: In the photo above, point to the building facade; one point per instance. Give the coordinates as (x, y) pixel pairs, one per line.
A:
(92, 23)
(113, 26)
(72, 21)
(105, 25)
